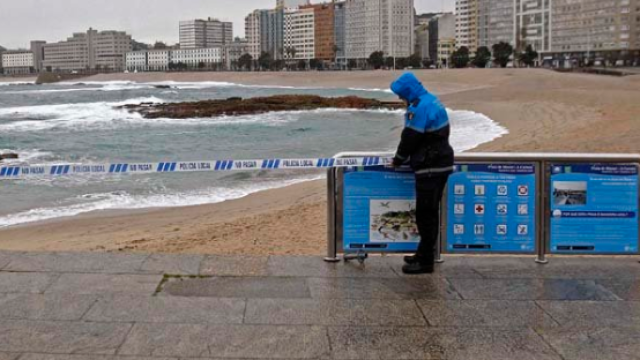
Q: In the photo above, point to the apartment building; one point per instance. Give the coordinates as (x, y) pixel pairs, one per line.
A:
(252, 31)
(496, 22)
(233, 52)
(591, 26)
(442, 38)
(299, 34)
(17, 62)
(197, 58)
(163, 59)
(93, 50)
(340, 31)
(379, 25)
(467, 24)
(324, 27)
(200, 33)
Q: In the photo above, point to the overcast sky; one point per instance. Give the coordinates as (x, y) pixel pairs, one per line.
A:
(147, 20)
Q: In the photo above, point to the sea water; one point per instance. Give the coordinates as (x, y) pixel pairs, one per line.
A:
(79, 122)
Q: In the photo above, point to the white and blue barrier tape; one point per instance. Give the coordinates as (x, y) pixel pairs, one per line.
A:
(18, 172)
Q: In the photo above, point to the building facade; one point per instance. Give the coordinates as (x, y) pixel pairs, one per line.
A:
(93, 50)
(166, 59)
(496, 22)
(18, 62)
(422, 41)
(252, 31)
(340, 31)
(442, 38)
(233, 52)
(467, 24)
(299, 34)
(379, 25)
(325, 40)
(195, 34)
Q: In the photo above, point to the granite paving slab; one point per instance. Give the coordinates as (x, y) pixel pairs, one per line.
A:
(7, 356)
(500, 314)
(627, 289)
(426, 343)
(61, 337)
(594, 314)
(333, 312)
(88, 357)
(111, 263)
(531, 289)
(313, 266)
(559, 268)
(368, 288)
(34, 283)
(232, 265)
(156, 309)
(234, 341)
(58, 307)
(5, 258)
(595, 344)
(105, 284)
(173, 264)
(453, 267)
(239, 287)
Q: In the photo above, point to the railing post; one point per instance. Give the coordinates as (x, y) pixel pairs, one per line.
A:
(541, 212)
(332, 251)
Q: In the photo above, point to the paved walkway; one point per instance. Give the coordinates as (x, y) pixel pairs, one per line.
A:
(124, 306)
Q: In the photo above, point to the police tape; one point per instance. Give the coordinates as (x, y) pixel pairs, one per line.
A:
(19, 172)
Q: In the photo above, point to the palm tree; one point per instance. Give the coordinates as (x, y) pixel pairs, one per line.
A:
(336, 48)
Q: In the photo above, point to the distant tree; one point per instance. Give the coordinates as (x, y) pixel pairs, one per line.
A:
(159, 45)
(528, 56)
(291, 52)
(245, 62)
(482, 58)
(315, 64)
(402, 63)
(302, 64)
(502, 53)
(389, 62)
(352, 64)
(376, 59)
(460, 58)
(279, 64)
(427, 63)
(265, 61)
(336, 49)
(415, 61)
(138, 46)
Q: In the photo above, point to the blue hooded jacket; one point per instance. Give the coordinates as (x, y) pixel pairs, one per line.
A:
(425, 138)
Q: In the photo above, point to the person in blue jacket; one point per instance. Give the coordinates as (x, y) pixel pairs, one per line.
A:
(425, 147)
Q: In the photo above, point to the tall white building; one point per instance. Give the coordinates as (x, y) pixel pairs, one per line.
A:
(252, 31)
(17, 62)
(163, 59)
(467, 24)
(93, 50)
(379, 25)
(205, 33)
(299, 34)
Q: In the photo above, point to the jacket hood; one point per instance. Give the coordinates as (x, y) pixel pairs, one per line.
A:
(408, 87)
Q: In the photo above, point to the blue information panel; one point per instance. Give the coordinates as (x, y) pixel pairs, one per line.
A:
(492, 208)
(594, 208)
(379, 211)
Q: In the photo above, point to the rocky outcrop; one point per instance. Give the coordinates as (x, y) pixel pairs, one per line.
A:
(258, 105)
(8, 156)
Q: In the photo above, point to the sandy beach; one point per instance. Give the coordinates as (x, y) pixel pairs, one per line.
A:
(543, 111)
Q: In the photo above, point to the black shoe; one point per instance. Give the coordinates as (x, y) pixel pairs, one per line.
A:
(410, 259)
(418, 268)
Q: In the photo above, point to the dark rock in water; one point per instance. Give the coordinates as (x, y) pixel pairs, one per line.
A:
(162, 86)
(259, 105)
(8, 156)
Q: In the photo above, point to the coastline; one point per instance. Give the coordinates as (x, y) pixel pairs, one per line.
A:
(543, 111)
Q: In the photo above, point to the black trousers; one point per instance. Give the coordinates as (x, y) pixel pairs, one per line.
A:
(429, 192)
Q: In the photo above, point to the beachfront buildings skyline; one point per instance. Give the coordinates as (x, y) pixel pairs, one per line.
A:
(207, 33)
(554, 28)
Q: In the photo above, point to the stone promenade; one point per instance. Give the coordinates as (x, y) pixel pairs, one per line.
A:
(56, 306)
